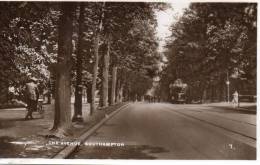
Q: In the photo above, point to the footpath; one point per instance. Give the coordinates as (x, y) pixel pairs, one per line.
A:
(243, 106)
(21, 138)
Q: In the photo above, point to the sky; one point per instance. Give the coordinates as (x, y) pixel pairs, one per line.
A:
(166, 18)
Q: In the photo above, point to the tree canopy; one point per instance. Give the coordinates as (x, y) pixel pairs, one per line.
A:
(212, 43)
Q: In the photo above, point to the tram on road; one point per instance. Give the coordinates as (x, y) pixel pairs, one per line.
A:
(179, 92)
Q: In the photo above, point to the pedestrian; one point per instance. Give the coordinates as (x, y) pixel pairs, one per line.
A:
(235, 99)
(41, 90)
(32, 95)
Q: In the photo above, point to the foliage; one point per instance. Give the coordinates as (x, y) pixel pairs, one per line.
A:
(210, 42)
(27, 41)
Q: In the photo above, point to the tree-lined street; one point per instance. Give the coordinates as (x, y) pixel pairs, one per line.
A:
(71, 48)
(187, 70)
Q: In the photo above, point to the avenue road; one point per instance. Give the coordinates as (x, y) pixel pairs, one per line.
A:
(167, 131)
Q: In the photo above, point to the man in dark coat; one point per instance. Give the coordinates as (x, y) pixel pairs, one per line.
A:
(32, 96)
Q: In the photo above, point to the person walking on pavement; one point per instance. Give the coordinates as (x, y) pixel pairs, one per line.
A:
(32, 95)
(235, 99)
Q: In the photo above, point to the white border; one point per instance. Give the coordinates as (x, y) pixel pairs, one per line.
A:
(151, 162)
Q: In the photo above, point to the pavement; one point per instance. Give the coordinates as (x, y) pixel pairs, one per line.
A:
(179, 132)
(244, 106)
(21, 138)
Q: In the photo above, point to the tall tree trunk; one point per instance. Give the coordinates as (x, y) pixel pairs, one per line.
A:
(128, 95)
(109, 91)
(62, 115)
(113, 90)
(49, 92)
(203, 92)
(96, 58)
(89, 97)
(118, 84)
(105, 75)
(94, 80)
(212, 93)
(101, 91)
(221, 89)
(100, 88)
(78, 89)
(204, 96)
(120, 93)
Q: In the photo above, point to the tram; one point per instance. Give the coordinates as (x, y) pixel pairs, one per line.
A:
(179, 92)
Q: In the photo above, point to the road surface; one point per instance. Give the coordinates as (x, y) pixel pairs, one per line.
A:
(166, 131)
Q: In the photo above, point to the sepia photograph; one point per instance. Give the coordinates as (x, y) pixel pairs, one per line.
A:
(124, 80)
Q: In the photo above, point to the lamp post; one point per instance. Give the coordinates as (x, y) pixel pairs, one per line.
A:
(228, 83)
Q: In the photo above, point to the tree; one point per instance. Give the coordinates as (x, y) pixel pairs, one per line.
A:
(78, 88)
(27, 42)
(125, 44)
(95, 67)
(141, 59)
(208, 47)
(105, 73)
(113, 86)
(34, 43)
(113, 23)
(62, 115)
